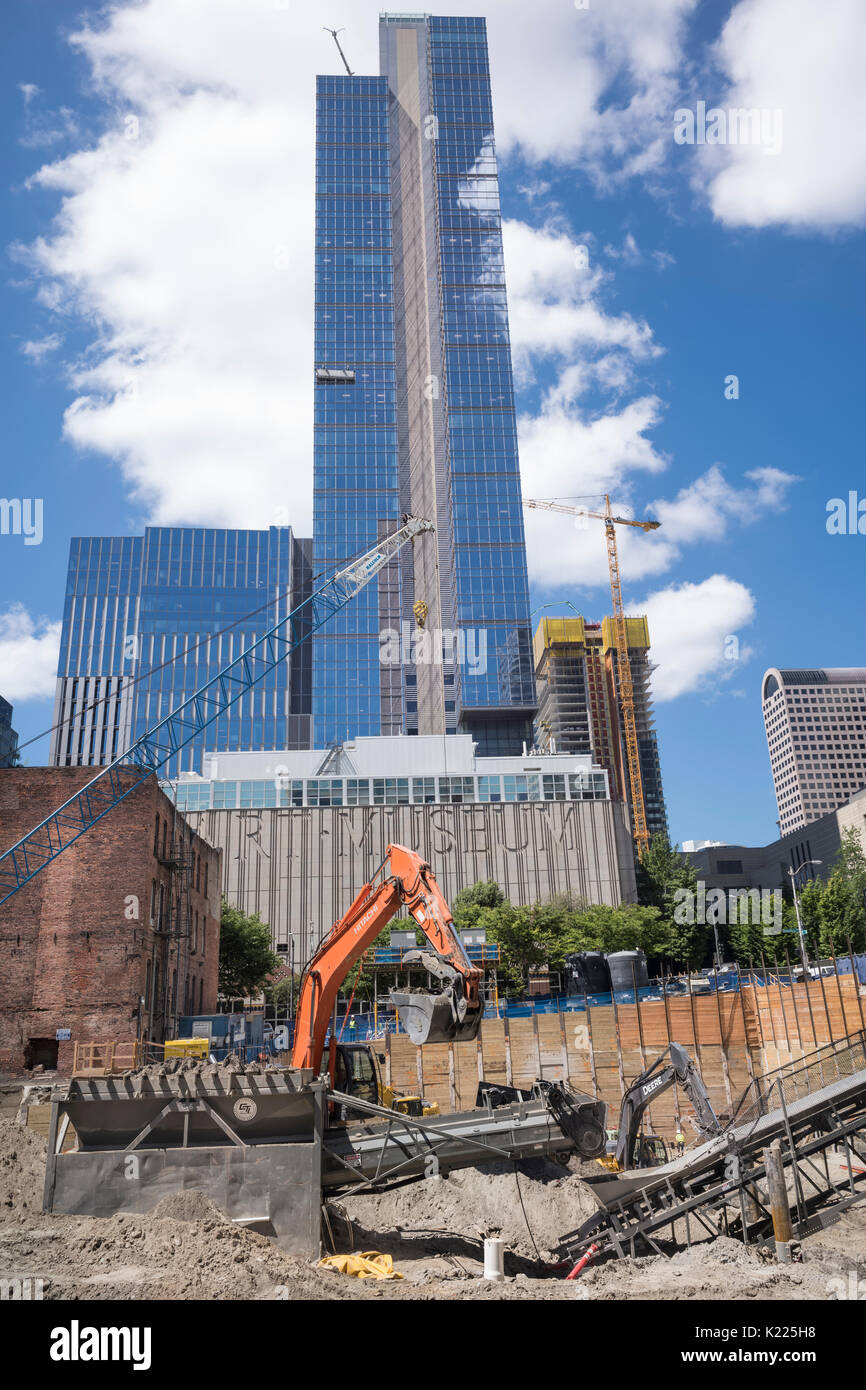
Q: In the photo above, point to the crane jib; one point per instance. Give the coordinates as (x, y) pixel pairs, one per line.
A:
(111, 785)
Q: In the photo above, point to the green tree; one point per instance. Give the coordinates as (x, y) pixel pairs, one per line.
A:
(471, 902)
(843, 904)
(525, 937)
(246, 958)
(667, 881)
(662, 871)
(283, 995)
(629, 927)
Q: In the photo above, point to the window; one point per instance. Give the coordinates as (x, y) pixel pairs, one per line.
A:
(456, 789)
(391, 791)
(291, 792)
(327, 792)
(423, 790)
(520, 786)
(489, 789)
(554, 786)
(225, 796)
(580, 786)
(357, 791)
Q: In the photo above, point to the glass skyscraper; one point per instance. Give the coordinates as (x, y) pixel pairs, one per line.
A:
(8, 736)
(415, 399)
(149, 619)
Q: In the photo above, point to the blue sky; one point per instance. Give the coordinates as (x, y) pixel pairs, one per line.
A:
(158, 319)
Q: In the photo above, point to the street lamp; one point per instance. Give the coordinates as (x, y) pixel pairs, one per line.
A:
(792, 874)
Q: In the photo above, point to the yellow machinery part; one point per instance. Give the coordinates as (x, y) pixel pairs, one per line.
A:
(187, 1047)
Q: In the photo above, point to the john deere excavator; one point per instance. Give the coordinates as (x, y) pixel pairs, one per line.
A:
(450, 1014)
(633, 1149)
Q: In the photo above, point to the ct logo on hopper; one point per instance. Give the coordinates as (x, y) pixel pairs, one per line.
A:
(245, 1109)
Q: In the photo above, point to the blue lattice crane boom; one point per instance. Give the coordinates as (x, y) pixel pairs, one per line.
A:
(25, 859)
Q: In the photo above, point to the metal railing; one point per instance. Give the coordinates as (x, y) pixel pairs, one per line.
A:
(796, 1079)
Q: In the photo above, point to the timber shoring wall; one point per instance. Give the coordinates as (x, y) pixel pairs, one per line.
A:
(732, 1038)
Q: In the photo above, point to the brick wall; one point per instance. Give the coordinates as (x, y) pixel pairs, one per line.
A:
(84, 941)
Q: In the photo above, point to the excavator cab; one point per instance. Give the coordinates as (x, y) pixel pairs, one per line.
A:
(355, 1073)
(651, 1151)
(358, 1072)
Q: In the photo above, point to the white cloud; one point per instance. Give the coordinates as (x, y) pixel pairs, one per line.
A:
(704, 509)
(806, 61)
(629, 253)
(554, 67)
(28, 655)
(554, 299)
(691, 627)
(37, 349)
(184, 236)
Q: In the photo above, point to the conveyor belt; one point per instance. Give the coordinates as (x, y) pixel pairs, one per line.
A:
(728, 1169)
(552, 1122)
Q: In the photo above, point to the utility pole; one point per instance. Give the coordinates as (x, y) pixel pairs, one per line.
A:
(334, 33)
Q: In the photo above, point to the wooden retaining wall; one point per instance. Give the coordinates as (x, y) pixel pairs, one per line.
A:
(732, 1038)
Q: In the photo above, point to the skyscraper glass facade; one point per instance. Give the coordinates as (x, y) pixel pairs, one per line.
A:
(356, 496)
(8, 736)
(149, 619)
(415, 149)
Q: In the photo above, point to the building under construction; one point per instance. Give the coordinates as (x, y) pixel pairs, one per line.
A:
(576, 672)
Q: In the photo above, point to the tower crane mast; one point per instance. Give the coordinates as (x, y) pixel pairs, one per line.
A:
(624, 682)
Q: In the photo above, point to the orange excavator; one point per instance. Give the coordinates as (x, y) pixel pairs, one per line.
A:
(451, 1014)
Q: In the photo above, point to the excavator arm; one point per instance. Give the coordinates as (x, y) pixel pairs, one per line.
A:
(650, 1084)
(452, 1014)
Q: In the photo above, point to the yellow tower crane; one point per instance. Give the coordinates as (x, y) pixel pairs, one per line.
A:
(625, 686)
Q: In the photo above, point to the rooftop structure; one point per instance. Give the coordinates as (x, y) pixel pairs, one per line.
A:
(380, 771)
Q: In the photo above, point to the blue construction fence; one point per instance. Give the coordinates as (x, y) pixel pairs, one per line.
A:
(251, 1036)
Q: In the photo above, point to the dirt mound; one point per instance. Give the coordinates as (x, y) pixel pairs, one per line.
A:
(143, 1257)
(187, 1206)
(538, 1204)
(721, 1251)
(22, 1170)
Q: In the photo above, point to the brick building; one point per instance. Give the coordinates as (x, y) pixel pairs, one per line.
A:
(114, 939)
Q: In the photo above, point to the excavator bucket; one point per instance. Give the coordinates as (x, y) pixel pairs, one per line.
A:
(432, 1018)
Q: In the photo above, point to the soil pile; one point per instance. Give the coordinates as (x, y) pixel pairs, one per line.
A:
(531, 1210)
(22, 1171)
